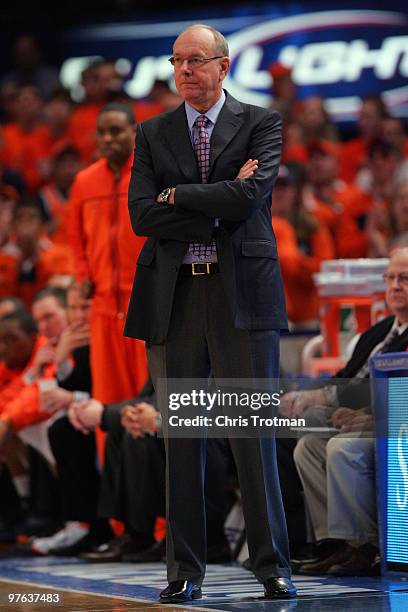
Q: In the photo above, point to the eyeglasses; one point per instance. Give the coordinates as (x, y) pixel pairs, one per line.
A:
(402, 279)
(192, 62)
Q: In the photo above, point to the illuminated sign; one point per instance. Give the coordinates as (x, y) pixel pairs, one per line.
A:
(397, 472)
(338, 54)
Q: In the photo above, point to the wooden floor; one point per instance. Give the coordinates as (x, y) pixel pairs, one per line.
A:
(76, 602)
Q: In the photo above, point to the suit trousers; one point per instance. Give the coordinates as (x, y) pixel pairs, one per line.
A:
(339, 484)
(203, 341)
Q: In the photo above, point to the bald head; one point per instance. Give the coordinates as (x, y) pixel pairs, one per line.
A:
(201, 63)
(220, 45)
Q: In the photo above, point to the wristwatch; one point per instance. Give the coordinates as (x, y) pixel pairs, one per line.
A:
(164, 195)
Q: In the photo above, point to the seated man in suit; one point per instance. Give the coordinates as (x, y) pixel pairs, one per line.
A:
(132, 487)
(338, 473)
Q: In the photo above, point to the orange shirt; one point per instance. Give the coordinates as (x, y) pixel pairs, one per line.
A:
(342, 197)
(104, 245)
(82, 129)
(298, 268)
(9, 254)
(27, 152)
(351, 237)
(56, 206)
(352, 158)
(20, 400)
(52, 259)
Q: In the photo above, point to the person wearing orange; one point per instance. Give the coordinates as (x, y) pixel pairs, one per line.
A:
(372, 210)
(327, 195)
(99, 80)
(8, 250)
(303, 243)
(37, 260)
(54, 196)
(105, 250)
(354, 152)
(26, 142)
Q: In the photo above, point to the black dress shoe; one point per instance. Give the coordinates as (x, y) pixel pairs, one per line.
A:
(279, 587)
(180, 591)
(115, 549)
(153, 554)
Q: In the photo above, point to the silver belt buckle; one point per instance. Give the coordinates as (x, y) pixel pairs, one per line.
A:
(200, 264)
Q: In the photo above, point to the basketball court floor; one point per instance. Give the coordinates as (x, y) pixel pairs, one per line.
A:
(66, 584)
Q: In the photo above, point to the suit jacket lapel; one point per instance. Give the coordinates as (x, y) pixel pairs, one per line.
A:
(178, 140)
(228, 124)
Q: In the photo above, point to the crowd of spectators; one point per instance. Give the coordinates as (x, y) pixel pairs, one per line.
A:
(332, 199)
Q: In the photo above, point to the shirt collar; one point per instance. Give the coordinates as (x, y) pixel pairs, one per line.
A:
(212, 112)
(399, 327)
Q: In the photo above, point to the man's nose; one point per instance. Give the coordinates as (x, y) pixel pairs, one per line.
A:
(185, 66)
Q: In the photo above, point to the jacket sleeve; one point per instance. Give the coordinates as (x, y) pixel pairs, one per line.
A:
(111, 412)
(236, 200)
(24, 409)
(149, 218)
(76, 232)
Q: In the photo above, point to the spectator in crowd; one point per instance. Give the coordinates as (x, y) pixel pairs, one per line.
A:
(315, 121)
(18, 343)
(130, 426)
(99, 80)
(8, 97)
(8, 248)
(303, 243)
(28, 66)
(341, 503)
(284, 93)
(57, 113)
(394, 132)
(327, 197)
(386, 232)
(11, 178)
(54, 196)
(38, 261)
(354, 152)
(74, 454)
(372, 208)
(26, 143)
(105, 249)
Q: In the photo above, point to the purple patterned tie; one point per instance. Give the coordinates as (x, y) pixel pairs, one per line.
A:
(202, 153)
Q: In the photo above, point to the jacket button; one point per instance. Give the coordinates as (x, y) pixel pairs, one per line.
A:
(120, 315)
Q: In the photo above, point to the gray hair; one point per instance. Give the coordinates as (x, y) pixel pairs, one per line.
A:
(220, 43)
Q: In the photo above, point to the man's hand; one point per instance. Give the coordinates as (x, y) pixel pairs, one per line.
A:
(130, 421)
(44, 356)
(341, 416)
(139, 420)
(248, 169)
(85, 415)
(360, 422)
(73, 337)
(55, 399)
(294, 403)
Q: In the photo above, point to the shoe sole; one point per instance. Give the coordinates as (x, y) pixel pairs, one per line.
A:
(281, 596)
(182, 599)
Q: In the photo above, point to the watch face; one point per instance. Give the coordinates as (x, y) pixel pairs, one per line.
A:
(164, 196)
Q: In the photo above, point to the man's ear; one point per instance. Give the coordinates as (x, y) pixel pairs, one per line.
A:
(224, 67)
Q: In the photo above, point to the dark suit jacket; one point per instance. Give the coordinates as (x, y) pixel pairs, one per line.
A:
(246, 245)
(356, 393)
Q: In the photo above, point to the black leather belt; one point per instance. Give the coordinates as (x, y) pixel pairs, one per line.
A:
(199, 269)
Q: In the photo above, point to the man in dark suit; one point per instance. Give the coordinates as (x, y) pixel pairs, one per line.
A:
(338, 474)
(208, 295)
